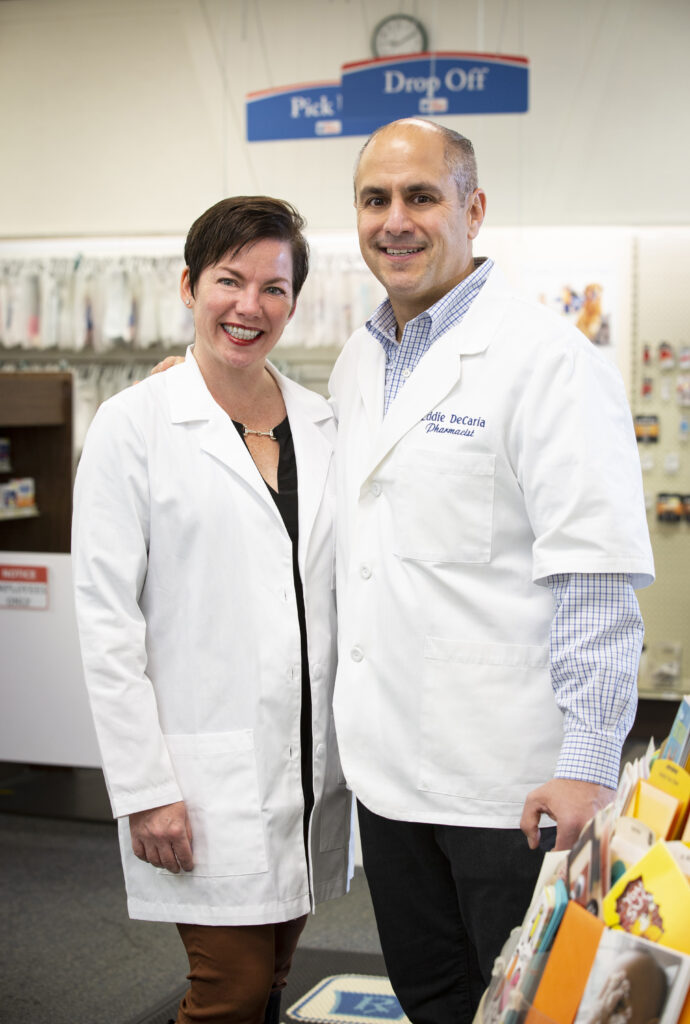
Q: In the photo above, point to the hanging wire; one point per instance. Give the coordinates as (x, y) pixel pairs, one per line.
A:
(501, 27)
(565, 121)
(258, 18)
(229, 110)
(225, 112)
(432, 40)
(520, 128)
(364, 8)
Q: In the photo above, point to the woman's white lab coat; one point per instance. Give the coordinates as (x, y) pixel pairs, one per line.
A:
(191, 648)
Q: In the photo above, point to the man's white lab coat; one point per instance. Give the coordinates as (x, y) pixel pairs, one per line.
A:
(509, 455)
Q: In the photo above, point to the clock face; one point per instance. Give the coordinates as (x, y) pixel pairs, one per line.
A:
(398, 34)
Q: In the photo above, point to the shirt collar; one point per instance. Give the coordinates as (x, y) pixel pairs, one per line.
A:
(442, 315)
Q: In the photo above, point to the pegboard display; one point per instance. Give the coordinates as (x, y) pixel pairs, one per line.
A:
(660, 389)
(642, 288)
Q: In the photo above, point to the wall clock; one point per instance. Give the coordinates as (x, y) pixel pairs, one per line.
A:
(398, 34)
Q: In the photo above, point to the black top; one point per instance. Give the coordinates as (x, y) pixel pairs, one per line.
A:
(286, 501)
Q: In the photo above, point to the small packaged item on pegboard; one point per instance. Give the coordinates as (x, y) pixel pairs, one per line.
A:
(647, 389)
(669, 507)
(684, 358)
(5, 463)
(683, 390)
(664, 665)
(667, 359)
(646, 428)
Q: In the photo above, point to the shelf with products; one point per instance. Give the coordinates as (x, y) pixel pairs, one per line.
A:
(62, 358)
(308, 365)
(17, 513)
(36, 421)
(660, 393)
(27, 358)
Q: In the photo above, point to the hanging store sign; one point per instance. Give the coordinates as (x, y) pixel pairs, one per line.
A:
(24, 586)
(437, 83)
(373, 92)
(295, 112)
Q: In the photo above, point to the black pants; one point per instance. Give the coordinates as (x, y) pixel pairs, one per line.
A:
(445, 900)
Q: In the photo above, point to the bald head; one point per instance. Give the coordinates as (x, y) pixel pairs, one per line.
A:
(415, 225)
(458, 151)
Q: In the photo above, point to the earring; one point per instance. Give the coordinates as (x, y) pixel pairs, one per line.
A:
(187, 302)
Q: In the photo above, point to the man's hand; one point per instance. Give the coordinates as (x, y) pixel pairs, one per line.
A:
(163, 837)
(570, 802)
(166, 363)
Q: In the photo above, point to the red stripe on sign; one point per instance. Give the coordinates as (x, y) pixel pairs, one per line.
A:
(24, 573)
(428, 55)
(300, 87)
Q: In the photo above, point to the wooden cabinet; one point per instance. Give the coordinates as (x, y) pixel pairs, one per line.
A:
(36, 416)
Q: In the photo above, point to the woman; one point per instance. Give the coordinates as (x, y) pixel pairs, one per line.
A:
(205, 603)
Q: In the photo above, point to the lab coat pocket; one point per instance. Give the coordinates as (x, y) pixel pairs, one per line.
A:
(489, 721)
(334, 830)
(443, 507)
(217, 775)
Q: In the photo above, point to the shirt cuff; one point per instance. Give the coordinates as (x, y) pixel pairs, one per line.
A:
(590, 757)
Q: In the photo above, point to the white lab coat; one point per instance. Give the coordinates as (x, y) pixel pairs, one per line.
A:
(191, 648)
(508, 456)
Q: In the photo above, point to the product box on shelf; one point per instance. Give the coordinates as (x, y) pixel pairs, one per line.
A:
(18, 498)
(5, 463)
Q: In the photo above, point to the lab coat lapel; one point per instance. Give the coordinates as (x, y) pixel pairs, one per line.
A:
(438, 372)
(313, 451)
(371, 376)
(190, 400)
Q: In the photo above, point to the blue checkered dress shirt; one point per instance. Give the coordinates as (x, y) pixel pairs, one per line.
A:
(597, 629)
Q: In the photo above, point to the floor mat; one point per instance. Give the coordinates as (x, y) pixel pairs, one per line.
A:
(349, 999)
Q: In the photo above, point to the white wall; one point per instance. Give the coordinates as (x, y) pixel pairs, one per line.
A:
(127, 116)
(46, 716)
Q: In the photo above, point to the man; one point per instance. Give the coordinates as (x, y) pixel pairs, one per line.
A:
(491, 528)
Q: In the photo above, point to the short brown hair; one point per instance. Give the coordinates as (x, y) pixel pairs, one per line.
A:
(239, 221)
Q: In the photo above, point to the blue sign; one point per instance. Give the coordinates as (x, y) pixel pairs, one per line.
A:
(295, 112)
(374, 92)
(378, 1006)
(435, 84)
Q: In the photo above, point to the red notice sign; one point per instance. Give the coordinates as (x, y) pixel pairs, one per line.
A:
(24, 586)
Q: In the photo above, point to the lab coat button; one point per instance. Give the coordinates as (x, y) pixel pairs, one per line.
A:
(319, 750)
(356, 654)
(376, 488)
(365, 572)
(316, 670)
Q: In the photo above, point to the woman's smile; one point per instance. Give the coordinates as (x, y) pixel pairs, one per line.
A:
(241, 335)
